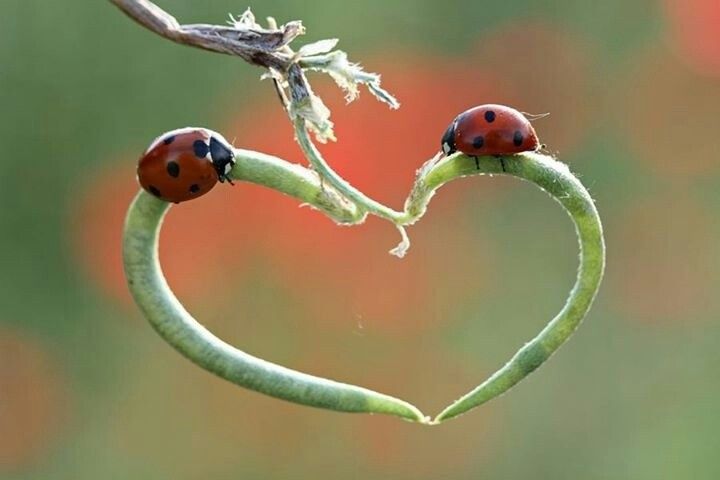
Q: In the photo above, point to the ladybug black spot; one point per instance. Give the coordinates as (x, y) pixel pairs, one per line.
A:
(478, 142)
(194, 188)
(517, 138)
(489, 116)
(173, 169)
(169, 140)
(200, 148)
(154, 191)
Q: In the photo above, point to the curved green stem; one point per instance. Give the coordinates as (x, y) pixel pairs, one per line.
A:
(555, 178)
(324, 170)
(320, 165)
(296, 181)
(185, 334)
(343, 186)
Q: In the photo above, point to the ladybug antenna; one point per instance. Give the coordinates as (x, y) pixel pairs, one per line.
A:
(535, 116)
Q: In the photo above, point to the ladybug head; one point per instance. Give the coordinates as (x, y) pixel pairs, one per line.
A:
(448, 139)
(222, 157)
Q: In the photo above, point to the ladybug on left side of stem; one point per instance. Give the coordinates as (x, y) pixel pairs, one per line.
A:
(184, 164)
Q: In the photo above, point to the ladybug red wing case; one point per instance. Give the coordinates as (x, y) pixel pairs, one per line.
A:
(490, 130)
(185, 164)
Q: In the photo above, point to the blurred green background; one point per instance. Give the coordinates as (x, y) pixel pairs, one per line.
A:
(88, 390)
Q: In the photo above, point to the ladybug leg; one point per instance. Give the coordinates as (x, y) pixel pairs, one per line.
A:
(477, 162)
(502, 164)
(225, 178)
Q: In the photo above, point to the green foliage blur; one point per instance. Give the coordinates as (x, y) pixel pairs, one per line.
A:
(88, 390)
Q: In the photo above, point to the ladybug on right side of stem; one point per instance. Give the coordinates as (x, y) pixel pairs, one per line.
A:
(490, 130)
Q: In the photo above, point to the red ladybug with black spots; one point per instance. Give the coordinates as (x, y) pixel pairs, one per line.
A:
(184, 164)
(490, 130)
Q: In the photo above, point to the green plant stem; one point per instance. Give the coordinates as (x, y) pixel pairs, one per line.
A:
(170, 319)
(342, 185)
(296, 181)
(554, 178)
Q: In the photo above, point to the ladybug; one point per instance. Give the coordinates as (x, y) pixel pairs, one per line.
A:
(184, 164)
(490, 130)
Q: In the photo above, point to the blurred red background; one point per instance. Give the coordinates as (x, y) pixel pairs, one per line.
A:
(632, 88)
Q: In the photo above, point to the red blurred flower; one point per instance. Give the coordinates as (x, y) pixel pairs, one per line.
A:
(378, 151)
(341, 269)
(695, 27)
(345, 273)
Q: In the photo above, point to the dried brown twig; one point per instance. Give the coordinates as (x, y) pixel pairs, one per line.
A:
(269, 48)
(244, 38)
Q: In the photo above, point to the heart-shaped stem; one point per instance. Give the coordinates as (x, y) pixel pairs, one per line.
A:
(178, 328)
(170, 319)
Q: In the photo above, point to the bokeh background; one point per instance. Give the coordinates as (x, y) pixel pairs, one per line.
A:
(88, 390)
